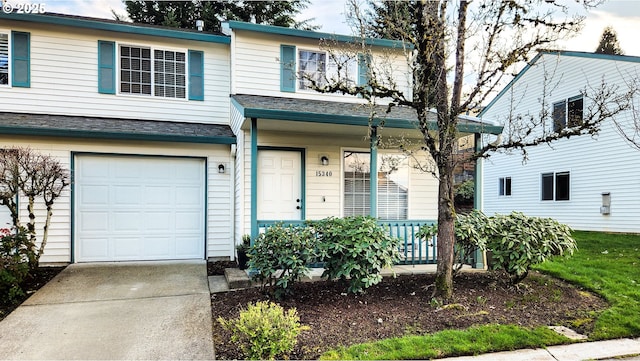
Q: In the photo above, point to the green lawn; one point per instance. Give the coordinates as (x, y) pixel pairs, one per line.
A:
(607, 264)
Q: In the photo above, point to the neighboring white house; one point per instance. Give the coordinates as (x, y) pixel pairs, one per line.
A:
(180, 142)
(589, 183)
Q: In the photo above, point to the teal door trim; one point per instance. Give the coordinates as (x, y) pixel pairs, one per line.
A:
(254, 179)
(373, 173)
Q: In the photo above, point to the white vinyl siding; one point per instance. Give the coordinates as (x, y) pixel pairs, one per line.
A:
(251, 48)
(600, 164)
(219, 198)
(71, 87)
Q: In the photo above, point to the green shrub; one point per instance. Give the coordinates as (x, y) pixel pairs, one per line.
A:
(264, 331)
(518, 242)
(464, 192)
(16, 250)
(280, 257)
(470, 234)
(355, 248)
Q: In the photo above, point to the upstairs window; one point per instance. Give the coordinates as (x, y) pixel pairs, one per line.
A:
(312, 65)
(556, 186)
(568, 113)
(4, 59)
(166, 78)
(504, 186)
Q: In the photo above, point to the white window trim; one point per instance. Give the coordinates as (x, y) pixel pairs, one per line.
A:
(367, 150)
(152, 95)
(9, 64)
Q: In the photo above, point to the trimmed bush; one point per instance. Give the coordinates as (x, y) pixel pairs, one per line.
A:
(280, 257)
(518, 242)
(355, 249)
(265, 331)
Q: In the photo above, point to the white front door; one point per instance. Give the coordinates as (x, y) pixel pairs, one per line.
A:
(279, 185)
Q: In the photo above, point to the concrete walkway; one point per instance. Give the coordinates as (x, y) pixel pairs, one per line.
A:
(115, 311)
(621, 350)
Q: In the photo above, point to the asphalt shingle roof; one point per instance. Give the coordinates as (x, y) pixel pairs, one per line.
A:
(344, 113)
(114, 128)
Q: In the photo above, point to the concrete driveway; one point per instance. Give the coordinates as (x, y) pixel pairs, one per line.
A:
(115, 311)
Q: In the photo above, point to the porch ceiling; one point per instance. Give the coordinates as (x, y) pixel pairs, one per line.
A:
(342, 113)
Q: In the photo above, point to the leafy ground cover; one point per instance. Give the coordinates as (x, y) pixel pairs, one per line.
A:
(403, 308)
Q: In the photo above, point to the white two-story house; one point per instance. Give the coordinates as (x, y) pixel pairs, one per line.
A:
(587, 182)
(140, 117)
(180, 142)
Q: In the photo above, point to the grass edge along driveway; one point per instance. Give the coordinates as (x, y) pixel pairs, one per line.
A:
(606, 263)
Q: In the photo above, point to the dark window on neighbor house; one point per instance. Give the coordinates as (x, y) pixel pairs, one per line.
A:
(568, 113)
(555, 186)
(562, 186)
(504, 186)
(575, 112)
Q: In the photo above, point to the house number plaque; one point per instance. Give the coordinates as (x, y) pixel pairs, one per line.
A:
(322, 173)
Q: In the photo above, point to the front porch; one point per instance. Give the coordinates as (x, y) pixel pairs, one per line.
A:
(336, 166)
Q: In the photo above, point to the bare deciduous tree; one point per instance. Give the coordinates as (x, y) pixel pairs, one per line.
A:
(37, 177)
(459, 54)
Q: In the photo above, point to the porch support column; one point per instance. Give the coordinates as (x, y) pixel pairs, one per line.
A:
(254, 179)
(477, 195)
(373, 173)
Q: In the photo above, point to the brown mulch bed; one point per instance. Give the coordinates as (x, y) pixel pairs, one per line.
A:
(403, 306)
(30, 286)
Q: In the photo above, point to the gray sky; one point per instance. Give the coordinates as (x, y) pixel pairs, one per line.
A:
(623, 15)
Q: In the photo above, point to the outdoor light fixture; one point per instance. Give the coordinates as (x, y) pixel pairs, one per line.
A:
(324, 160)
(221, 168)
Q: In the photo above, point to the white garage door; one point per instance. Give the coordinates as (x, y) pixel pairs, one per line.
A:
(138, 208)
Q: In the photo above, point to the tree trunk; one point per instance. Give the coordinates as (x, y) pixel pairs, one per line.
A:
(45, 233)
(446, 239)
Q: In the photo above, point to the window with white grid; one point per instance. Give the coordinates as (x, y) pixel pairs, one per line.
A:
(4, 59)
(167, 77)
(170, 74)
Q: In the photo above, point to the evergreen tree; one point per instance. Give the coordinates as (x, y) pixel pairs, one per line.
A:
(609, 43)
(183, 14)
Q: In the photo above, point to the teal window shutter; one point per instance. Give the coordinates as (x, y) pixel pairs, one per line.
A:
(20, 59)
(364, 60)
(196, 75)
(106, 67)
(287, 68)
